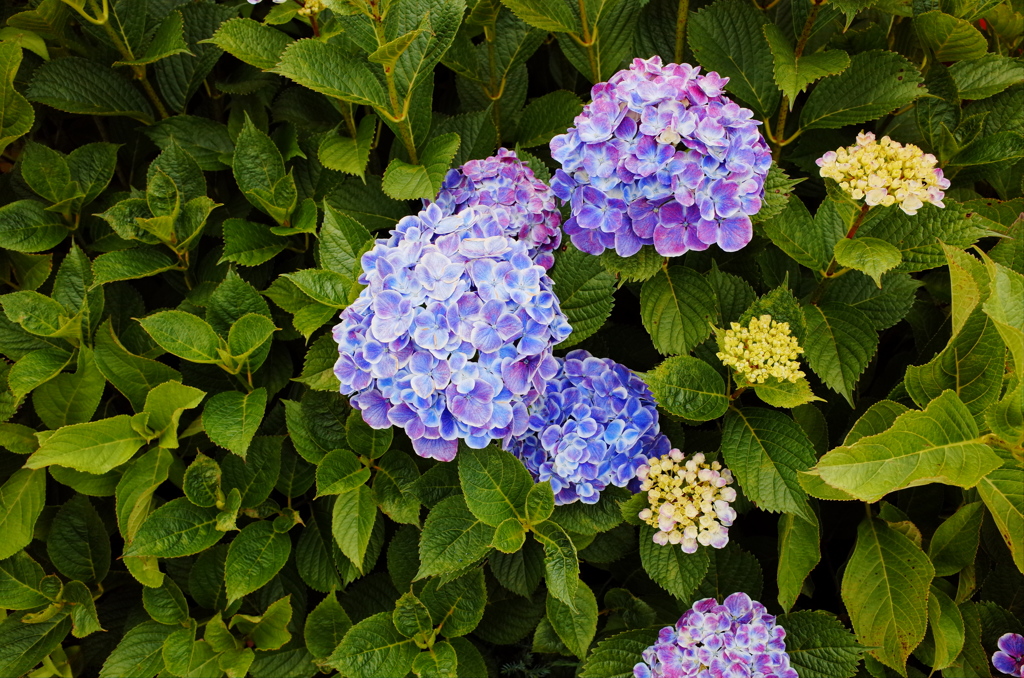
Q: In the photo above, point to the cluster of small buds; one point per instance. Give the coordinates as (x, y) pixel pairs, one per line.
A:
(735, 639)
(595, 424)
(689, 501)
(1010, 657)
(886, 172)
(762, 350)
(662, 157)
(504, 180)
(276, 2)
(451, 338)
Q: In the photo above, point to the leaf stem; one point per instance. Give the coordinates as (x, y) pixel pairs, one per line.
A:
(784, 106)
(398, 114)
(588, 43)
(682, 14)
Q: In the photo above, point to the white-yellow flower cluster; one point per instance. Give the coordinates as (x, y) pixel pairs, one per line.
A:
(689, 501)
(886, 172)
(761, 350)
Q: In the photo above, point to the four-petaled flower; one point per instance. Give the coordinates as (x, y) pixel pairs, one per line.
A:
(1010, 657)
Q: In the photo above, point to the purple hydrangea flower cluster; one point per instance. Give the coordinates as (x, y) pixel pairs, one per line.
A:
(504, 180)
(594, 425)
(451, 338)
(662, 157)
(1010, 657)
(737, 639)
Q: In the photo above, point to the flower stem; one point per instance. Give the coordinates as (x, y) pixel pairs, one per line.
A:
(784, 106)
(681, 16)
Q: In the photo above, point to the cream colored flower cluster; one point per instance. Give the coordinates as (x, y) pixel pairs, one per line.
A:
(886, 172)
(689, 501)
(763, 349)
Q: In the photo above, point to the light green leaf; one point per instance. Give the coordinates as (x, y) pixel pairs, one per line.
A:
(374, 648)
(765, 450)
(201, 483)
(247, 334)
(778, 188)
(495, 484)
(135, 489)
(438, 661)
(168, 40)
(546, 116)
(94, 447)
(133, 264)
(947, 628)
(22, 497)
(799, 553)
(509, 536)
(21, 583)
(452, 538)
(938, 444)
(561, 564)
(919, 237)
(328, 69)
(183, 334)
(819, 646)
(872, 256)
(688, 387)
(807, 241)
(347, 154)
(411, 616)
(318, 366)
(254, 43)
(132, 375)
(355, 512)
(678, 573)
(986, 76)
(325, 287)
(576, 624)
(885, 589)
(260, 174)
(165, 404)
(139, 652)
(36, 369)
(254, 557)
(46, 172)
(26, 226)
(405, 181)
(793, 75)
(77, 85)
(178, 528)
(269, 631)
(540, 502)
(875, 83)
(339, 472)
(876, 419)
(839, 344)
(584, 289)
(38, 314)
(166, 604)
(677, 307)
(949, 38)
(231, 418)
(547, 16)
(1002, 490)
(17, 114)
(785, 393)
(247, 243)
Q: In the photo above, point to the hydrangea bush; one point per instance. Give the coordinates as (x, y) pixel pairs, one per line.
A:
(511, 338)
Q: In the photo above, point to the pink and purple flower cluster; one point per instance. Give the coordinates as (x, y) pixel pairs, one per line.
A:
(735, 639)
(1010, 657)
(594, 425)
(661, 157)
(451, 338)
(503, 180)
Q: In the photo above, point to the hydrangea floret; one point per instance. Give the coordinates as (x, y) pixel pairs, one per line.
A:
(504, 180)
(451, 338)
(1010, 657)
(734, 639)
(594, 425)
(690, 502)
(762, 350)
(886, 172)
(662, 157)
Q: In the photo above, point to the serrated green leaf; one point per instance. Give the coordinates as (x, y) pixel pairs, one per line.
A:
(131, 264)
(986, 75)
(325, 627)
(576, 624)
(36, 369)
(799, 553)
(509, 536)
(254, 43)
(584, 290)
(546, 116)
(269, 631)
(438, 661)
(168, 40)
(876, 419)
(374, 647)
(17, 117)
(231, 418)
(819, 646)
(78, 545)
(178, 528)
(206, 140)
(885, 589)
(22, 497)
(456, 606)
(949, 38)
(871, 256)
(183, 334)
(328, 288)
(495, 484)
(688, 387)
(547, 16)
(318, 365)
(946, 626)
(839, 345)
(452, 538)
(249, 244)
(339, 472)
(405, 181)
(1002, 490)
(260, 174)
(326, 68)
(678, 573)
(21, 583)
(355, 513)
(347, 154)
(77, 85)
(561, 564)
(677, 307)
(411, 616)
(255, 555)
(808, 241)
(25, 226)
(615, 657)
(132, 375)
(784, 393)
(792, 74)
(165, 604)
(165, 405)
(93, 447)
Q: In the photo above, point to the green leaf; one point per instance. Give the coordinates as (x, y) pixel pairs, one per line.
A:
(884, 307)
(519, 572)
(339, 472)
(411, 616)
(165, 604)
(807, 241)
(785, 393)
(135, 489)
(325, 627)
(799, 553)
(546, 116)
(260, 174)
(584, 289)
(184, 335)
(94, 447)
(38, 314)
(231, 418)
(547, 16)
(22, 497)
(947, 628)
(876, 82)
(17, 117)
(325, 287)
(688, 387)
(576, 624)
(46, 172)
(77, 85)
(165, 405)
(255, 475)
(452, 538)
(839, 345)
(561, 564)
(328, 69)
(23, 645)
(918, 237)
(139, 652)
(540, 503)
(21, 581)
(393, 487)
(373, 648)
(78, 545)
(254, 557)
(792, 74)
(938, 444)
(36, 369)
(249, 244)
(247, 334)
(986, 75)
(26, 226)
(819, 646)
(133, 264)
(178, 528)
(495, 484)
(731, 569)
(872, 256)
(206, 140)
(347, 154)
(989, 149)
(885, 589)
(778, 188)
(876, 419)
(355, 512)
(132, 375)
(254, 43)
(509, 536)
(678, 573)
(639, 267)
(765, 450)
(456, 606)
(949, 38)
(1002, 490)
(318, 366)
(405, 181)
(677, 307)
(438, 661)
(615, 657)
(168, 40)
(268, 631)
(84, 619)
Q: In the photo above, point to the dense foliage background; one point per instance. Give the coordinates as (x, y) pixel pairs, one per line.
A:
(186, 190)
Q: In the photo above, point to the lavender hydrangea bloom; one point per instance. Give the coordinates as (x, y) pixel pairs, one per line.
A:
(451, 338)
(1010, 657)
(504, 180)
(594, 425)
(662, 157)
(737, 639)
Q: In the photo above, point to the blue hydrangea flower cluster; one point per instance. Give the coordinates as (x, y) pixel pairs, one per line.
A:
(1009, 659)
(662, 157)
(737, 639)
(504, 180)
(594, 425)
(451, 338)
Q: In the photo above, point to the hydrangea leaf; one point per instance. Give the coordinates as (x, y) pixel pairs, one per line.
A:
(259, 171)
(947, 628)
(547, 116)
(231, 418)
(839, 344)
(678, 573)
(456, 606)
(22, 497)
(494, 483)
(326, 626)
(949, 38)
(792, 74)
(374, 647)
(919, 237)
(18, 115)
(338, 472)
(407, 181)
(885, 589)
(348, 154)
(561, 564)
(178, 528)
(438, 661)
(876, 419)
(584, 289)
(731, 569)
(254, 43)
(574, 624)
(93, 447)
(677, 306)
(21, 581)
(819, 646)
(616, 656)
(355, 513)
(77, 85)
(452, 538)
(1002, 490)
(799, 553)
(688, 387)
(255, 555)
(807, 240)
(884, 306)
(785, 393)
(986, 75)
(547, 16)
(939, 444)
(615, 22)
(872, 256)
(78, 544)
(166, 603)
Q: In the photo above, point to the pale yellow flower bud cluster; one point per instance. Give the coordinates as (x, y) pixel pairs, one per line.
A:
(762, 350)
(886, 172)
(689, 501)
(312, 7)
